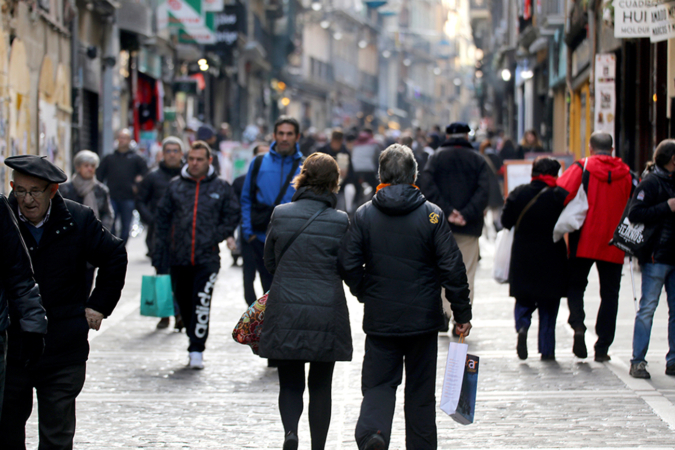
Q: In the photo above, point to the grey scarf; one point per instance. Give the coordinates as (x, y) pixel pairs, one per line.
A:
(85, 189)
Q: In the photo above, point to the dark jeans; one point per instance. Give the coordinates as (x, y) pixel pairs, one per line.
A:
(3, 365)
(57, 388)
(291, 389)
(610, 282)
(193, 290)
(252, 255)
(381, 376)
(124, 209)
(548, 313)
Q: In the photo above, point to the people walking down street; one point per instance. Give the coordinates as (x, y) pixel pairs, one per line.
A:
(399, 281)
(306, 318)
(19, 293)
(248, 257)
(509, 151)
(121, 171)
(364, 158)
(197, 212)
(84, 188)
(495, 196)
(150, 191)
(538, 269)
(268, 184)
(456, 178)
(608, 184)
(348, 188)
(530, 143)
(62, 236)
(654, 206)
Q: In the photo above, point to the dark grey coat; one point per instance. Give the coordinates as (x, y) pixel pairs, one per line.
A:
(306, 316)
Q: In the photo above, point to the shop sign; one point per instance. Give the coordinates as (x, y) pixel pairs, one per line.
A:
(213, 5)
(632, 18)
(187, 86)
(185, 13)
(605, 93)
(663, 22)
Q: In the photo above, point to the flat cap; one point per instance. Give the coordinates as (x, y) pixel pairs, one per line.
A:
(36, 166)
(205, 132)
(457, 128)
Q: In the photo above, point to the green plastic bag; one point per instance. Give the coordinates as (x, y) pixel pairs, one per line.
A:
(156, 296)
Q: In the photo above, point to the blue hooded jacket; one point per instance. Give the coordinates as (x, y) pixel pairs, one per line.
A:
(271, 177)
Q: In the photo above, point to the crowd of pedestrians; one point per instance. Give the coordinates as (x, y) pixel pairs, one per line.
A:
(397, 219)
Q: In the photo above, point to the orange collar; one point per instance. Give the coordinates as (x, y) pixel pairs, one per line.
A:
(384, 185)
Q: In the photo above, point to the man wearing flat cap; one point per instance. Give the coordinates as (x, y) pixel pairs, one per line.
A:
(456, 178)
(62, 237)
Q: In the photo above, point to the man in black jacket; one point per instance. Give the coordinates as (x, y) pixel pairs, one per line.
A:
(62, 237)
(397, 256)
(198, 212)
(457, 179)
(19, 292)
(120, 171)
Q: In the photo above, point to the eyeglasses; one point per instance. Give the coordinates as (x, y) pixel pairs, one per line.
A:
(34, 193)
(168, 150)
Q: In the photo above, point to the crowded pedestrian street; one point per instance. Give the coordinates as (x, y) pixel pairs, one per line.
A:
(139, 392)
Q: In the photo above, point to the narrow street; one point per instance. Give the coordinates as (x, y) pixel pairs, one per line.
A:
(139, 394)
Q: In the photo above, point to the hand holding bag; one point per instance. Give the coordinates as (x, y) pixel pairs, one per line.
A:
(573, 216)
(460, 384)
(156, 296)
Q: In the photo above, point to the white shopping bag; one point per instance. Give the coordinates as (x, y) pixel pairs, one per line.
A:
(454, 376)
(572, 218)
(500, 269)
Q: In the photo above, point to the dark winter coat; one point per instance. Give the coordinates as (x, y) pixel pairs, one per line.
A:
(351, 176)
(306, 317)
(650, 207)
(397, 256)
(119, 171)
(105, 210)
(193, 218)
(72, 237)
(152, 189)
(18, 291)
(538, 269)
(457, 177)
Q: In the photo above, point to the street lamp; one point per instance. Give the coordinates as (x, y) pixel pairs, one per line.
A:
(316, 6)
(363, 44)
(407, 62)
(526, 74)
(506, 74)
(386, 54)
(325, 24)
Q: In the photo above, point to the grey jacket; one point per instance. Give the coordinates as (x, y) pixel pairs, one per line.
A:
(306, 317)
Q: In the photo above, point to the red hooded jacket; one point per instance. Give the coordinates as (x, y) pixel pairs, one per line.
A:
(609, 189)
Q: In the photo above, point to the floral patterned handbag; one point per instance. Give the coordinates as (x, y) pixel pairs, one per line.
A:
(249, 327)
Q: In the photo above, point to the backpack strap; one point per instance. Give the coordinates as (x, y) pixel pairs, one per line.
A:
(528, 206)
(257, 162)
(284, 188)
(585, 174)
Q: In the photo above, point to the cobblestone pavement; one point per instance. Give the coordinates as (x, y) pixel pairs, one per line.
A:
(139, 394)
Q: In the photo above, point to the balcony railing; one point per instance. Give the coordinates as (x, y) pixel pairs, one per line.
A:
(320, 71)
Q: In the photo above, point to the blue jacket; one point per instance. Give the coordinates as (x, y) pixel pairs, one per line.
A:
(271, 177)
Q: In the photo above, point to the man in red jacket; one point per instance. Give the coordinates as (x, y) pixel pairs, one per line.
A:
(608, 184)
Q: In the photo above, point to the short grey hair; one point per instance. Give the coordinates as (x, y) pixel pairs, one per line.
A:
(398, 165)
(458, 136)
(173, 140)
(84, 157)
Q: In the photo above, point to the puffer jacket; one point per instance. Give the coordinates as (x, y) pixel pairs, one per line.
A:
(105, 209)
(650, 207)
(609, 189)
(457, 177)
(397, 256)
(193, 217)
(306, 316)
(152, 189)
(18, 291)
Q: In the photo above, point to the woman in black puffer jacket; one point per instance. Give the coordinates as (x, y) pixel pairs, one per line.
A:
(306, 319)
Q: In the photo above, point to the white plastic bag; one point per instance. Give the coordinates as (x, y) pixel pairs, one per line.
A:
(573, 216)
(504, 244)
(454, 376)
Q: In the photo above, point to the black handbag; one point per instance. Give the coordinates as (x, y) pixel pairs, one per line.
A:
(261, 213)
(633, 238)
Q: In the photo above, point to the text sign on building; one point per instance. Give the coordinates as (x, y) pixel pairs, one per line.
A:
(605, 93)
(632, 18)
(663, 22)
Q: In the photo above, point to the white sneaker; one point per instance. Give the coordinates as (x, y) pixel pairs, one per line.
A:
(196, 361)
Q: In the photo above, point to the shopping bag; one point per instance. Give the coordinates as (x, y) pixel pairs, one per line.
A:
(633, 238)
(573, 216)
(500, 269)
(458, 397)
(466, 406)
(249, 328)
(156, 296)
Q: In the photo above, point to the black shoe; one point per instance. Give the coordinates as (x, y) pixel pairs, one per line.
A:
(579, 347)
(179, 325)
(602, 357)
(291, 441)
(670, 370)
(521, 348)
(639, 370)
(163, 323)
(548, 357)
(375, 442)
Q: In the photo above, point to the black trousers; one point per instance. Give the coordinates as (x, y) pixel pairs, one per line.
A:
(57, 389)
(3, 365)
(291, 389)
(252, 255)
(610, 283)
(193, 290)
(382, 374)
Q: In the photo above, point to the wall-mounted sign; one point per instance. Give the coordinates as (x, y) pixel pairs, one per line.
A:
(663, 22)
(605, 93)
(632, 18)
